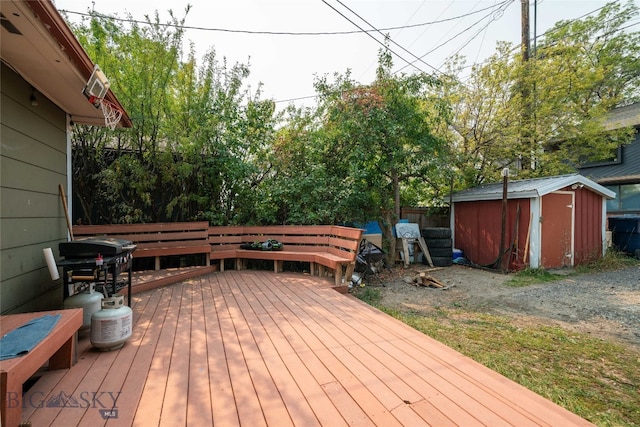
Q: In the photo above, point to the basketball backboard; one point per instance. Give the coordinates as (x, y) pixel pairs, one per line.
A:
(96, 87)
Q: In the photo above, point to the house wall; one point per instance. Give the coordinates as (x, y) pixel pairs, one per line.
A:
(478, 227)
(33, 162)
(622, 177)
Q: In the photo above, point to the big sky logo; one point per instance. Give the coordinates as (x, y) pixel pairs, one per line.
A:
(105, 401)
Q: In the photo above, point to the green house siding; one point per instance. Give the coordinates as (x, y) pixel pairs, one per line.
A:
(33, 162)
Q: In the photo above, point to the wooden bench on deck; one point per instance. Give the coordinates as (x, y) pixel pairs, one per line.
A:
(324, 247)
(155, 239)
(58, 347)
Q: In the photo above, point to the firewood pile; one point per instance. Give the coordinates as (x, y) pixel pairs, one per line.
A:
(422, 278)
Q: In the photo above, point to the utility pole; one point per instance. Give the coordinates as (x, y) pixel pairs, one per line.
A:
(535, 28)
(526, 46)
(527, 113)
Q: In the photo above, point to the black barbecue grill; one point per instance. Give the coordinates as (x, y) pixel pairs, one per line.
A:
(98, 260)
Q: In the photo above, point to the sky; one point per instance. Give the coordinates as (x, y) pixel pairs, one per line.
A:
(287, 65)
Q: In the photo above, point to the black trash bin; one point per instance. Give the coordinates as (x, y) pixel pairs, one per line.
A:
(626, 233)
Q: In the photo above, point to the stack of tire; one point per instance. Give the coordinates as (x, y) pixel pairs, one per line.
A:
(440, 245)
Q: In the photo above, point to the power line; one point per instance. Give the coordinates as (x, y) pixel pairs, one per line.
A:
(564, 24)
(300, 98)
(484, 35)
(501, 7)
(391, 40)
(494, 18)
(272, 33)
(452, 28)
(632, 23)
(398, 33)
(376, 40)
(441, 13)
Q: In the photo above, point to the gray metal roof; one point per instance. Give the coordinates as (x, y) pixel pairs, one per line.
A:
(528, 188)
(627, 170)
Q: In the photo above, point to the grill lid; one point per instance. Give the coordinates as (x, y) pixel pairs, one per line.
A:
(91, 247)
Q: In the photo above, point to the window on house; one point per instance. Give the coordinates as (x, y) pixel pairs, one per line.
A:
(614, 157)
(613, 204)
(627, 198)
(630, 197)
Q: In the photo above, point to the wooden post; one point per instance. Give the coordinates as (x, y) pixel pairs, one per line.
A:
(405, 251)
(425, 250)
(503, 232)
(66, 211)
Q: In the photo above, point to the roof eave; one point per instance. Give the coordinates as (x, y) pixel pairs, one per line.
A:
(494, 196)
(52, 33)
(558, 184)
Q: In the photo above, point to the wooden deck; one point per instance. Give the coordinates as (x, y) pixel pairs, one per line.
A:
(257, 348)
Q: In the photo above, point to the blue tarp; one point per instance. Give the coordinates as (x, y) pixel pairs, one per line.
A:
(23, 339)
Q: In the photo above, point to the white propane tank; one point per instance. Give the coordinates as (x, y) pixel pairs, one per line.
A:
(111, 326)
(89, 301)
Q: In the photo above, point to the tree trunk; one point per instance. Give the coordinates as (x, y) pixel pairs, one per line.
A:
(396, 195)
(387, 230)
(391, 217)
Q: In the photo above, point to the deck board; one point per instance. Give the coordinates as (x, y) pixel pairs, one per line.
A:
(250, 411)
(281, 375)
(153, 387)
(199, 409)
(221, 391)
(174, 408)
(259, 348)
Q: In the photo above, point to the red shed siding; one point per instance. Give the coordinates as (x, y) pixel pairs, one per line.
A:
(478, 226)
(588, 226)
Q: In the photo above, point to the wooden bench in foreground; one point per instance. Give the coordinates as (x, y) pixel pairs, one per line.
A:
(58, 348)
(155, 239)
(327, 248)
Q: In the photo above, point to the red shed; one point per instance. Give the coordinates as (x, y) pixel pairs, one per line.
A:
(552, 222)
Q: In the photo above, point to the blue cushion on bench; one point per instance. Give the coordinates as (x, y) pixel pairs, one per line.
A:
(23, 339)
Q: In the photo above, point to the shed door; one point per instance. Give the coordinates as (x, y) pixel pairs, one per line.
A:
(557, 230)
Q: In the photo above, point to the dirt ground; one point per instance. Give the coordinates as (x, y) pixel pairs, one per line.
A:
(605, 305)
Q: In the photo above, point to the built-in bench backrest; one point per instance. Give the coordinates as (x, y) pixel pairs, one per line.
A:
(338, 240)
(166, 234)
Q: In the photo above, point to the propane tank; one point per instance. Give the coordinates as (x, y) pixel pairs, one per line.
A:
(111, 326)
(89, 301)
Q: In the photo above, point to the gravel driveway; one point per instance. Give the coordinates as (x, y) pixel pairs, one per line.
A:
(606, 305)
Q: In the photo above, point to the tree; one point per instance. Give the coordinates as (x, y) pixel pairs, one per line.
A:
(198, 142)
(141, 62)
(580, 71)
(221, 137)
(378, 144)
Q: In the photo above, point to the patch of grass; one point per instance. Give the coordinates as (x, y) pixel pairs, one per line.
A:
(371, 296)
(595, 379)
(532, 275)
(613, 260)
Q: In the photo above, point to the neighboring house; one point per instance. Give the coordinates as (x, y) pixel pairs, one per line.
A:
(622, 174)
(44, 70)
(551, 222)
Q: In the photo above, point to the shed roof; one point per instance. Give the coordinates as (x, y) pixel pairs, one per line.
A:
(530, 188)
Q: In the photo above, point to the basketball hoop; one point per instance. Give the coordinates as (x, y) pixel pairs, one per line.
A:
(112, 114)
(97, 86)
(95, 90)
